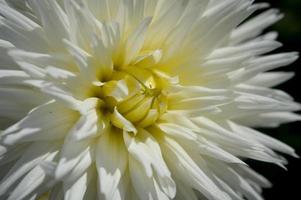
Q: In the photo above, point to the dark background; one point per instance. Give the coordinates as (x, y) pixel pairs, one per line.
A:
(286, 184)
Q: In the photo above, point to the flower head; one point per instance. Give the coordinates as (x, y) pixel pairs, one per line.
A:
(138, 99)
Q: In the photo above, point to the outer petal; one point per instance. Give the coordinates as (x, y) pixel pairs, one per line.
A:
(146, 151)
(188, 171)
(111, 164)
(42, 123)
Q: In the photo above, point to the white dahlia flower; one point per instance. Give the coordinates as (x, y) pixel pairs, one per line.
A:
(138, 99)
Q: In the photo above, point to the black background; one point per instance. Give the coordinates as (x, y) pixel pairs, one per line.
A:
(286, 184)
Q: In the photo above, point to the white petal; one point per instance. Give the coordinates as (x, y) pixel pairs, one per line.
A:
(31, 158)
(41, 123)
(191, 140)
(263, 64)
(89, 125)
(188, 171)
(224, 18)
(166, 16)
(111, 163)
(77, 190)
(135, 41)
(56, 92)
(53, 20)
(20, 33)
(75, 158)
(118, 120)
(29, 183)
(11, 77)
(252, 175)
(235, 180)
(265, 139)
(271, 79)
(144, 148)
(270, 119)
(6, 61)
(9, 154)
(145, 187)
(256, 25)
(15, 102)
(185, 192)
(17, 18)
(253, 48)
(81, 57)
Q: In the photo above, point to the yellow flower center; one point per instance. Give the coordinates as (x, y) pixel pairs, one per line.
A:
(134, 97)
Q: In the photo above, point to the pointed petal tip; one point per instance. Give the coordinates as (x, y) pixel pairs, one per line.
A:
(7, 141)
(295, 54)
(263, 5)
(295, 155)
(282, 166)
(268, 184)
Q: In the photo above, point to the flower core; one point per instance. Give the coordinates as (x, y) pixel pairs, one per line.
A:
(133, 97)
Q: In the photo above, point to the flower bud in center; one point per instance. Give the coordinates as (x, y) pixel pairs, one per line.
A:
(133, 102)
